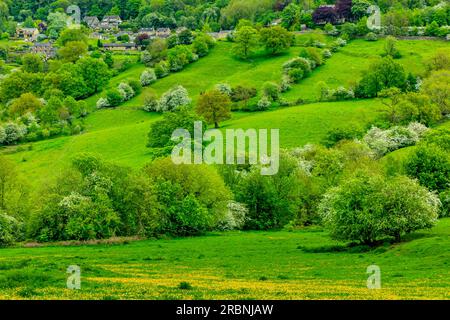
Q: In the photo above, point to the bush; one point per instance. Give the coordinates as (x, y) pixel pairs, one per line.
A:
(286, 83)
(271, 90)
(338, 134)
(241, 93)
(390, 48)
(384, 141)
(136, 86)
(326, 54)
(339, 94)
(173, 99)
(180, 56)
(234, 218)
(151, 102)
(126, 91)
(102, 103)
(264, 103)
(114, 97)
(13, 132)
(371, 36)
(295, 75)
(298, 63)
(340, 42)
(312, 54)
(8, 229)
(368, 208)
(225, 88)
(2, 135)
(162, 69)
(148, 77)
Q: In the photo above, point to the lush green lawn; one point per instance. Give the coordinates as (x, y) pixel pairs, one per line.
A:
(303, 264)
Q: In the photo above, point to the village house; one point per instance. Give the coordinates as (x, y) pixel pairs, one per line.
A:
(46, 49)
(99, 36)
(150, 32)
(92, 22)
(223, 34)
(119, 46)
(27, 34)
(163, 33)
(130, 35)
(110, 22)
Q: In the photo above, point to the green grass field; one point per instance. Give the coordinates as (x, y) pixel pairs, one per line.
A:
(303, 264)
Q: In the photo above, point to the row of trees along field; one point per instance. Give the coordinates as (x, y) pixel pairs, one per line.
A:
(342, 187)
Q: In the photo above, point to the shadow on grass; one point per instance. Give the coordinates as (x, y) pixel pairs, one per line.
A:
(378, 247)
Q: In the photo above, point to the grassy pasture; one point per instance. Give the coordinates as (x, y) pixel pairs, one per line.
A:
(303, 264)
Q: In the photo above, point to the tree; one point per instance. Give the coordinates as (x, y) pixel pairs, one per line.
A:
(32, 63)
(185, 37)
(430, 164)
(49, 114)
(95, 73)
(57, 21)
(359, 8)
(179, 56)
(382, 74)
(290, 17)
(323, 15)
(7, 177)
(344, 9)
(72, 34)
(390, 48)
(276, 39)
(437, 87)
(161, 131)
(68, 79)
(214, 106)
(246, 40)
(27, 102)
(432, 29)
(368, 207)
(174, 99)
(114, 97)
(195, 198)
(72, 51)
(18, 83)
(157, 51)
(440, 60)
(148, 77)
(271, 200)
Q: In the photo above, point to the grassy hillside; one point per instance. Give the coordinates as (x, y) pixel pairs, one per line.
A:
(304, 264)
(120, 134)
(345, 67)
